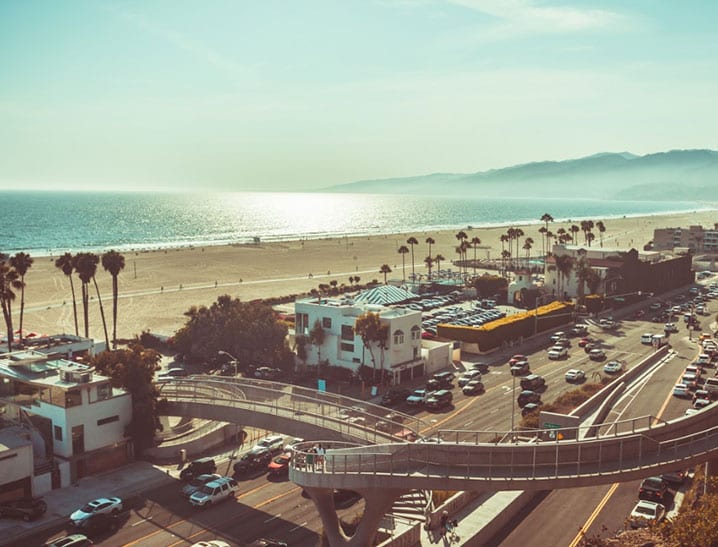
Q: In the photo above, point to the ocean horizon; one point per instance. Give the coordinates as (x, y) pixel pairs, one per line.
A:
(50, 223)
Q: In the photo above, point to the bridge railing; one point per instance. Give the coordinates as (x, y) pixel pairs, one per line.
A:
(361, 419)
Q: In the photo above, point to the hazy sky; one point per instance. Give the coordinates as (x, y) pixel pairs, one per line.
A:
(270, 95)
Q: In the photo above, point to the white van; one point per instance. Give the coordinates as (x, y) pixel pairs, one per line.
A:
(711, 384)
(647, 338)
(214, 492)
(658, 340)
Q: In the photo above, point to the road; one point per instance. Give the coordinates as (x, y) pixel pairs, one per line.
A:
(270, 508)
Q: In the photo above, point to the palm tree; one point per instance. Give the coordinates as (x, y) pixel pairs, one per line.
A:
(438, 258)
(430, 241)
(519, 233)
(545, 218)
(475, 242)
(564, 265)
(402, 251)
(66, 264)
(9, 283)
(528, 244)
(574, 230)
(429, 263)
(411, 242)
(85, 265)
(461, 237)
(590, 236)
(601, 229)
(385, 269)
(22, 262)
(504, 238)
(113, 262)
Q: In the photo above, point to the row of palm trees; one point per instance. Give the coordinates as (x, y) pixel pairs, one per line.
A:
(13, 270)
(512, 237)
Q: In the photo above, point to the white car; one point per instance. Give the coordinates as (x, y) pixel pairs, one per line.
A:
(111, 506)
(575, 375)
(556, 335)
(211, 543)
(273, 443)
(703, 359)
(645, 512)
(681, 390)
(557, 352)
(214, 492)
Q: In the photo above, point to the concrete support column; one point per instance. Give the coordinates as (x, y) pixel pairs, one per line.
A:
(376, 504)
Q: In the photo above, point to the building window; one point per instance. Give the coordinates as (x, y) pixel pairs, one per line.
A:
(104, 391)
(58, 433)
(73, 397)
(347, 332)
(327, 322)
(109, 420)
(415, 332)
(398, 337)
(347, 347)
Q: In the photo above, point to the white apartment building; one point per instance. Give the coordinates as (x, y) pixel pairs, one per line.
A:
(402, 356)
(80, 416)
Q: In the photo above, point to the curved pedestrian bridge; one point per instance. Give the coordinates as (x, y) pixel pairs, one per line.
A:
(359, 454)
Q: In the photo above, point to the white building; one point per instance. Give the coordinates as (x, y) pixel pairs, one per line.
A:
(16, 463)
(78, 413)
(403, 356)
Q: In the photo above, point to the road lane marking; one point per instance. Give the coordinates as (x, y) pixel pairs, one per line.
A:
(141, 521)
(302, 525)
(272, 518)
(614, 486)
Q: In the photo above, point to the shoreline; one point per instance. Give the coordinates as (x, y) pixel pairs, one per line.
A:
(157, 287)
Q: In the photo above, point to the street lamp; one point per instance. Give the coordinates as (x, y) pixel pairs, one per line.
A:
(513, 406)
(232, 357)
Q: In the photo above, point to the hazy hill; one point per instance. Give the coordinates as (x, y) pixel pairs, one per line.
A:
(675, 175)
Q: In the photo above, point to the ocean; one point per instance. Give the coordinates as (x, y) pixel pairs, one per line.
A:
(48, 223)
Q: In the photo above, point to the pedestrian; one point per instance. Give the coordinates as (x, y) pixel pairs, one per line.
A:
(320, 455)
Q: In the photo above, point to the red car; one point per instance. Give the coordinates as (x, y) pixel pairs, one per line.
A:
(516, 358)
(583, 341)
(280, 464)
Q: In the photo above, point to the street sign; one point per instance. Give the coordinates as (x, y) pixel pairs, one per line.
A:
(552, 434)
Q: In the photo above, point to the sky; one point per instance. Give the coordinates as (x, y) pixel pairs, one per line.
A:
(298, 95)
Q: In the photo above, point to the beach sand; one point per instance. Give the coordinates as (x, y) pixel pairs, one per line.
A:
(158, 287)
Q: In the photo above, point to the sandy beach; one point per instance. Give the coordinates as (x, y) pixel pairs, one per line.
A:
(157, 287)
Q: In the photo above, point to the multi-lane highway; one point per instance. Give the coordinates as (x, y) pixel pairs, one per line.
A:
(276, 508)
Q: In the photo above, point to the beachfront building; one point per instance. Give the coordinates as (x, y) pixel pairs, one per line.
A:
(77, 418)
(403, 357)
(696, 238)
(65, 346)
(16, 459)
(614, 271)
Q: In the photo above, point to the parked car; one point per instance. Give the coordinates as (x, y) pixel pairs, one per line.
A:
(612, 367)
(516, 358)
(675, 478)
(198, 467)
(556, 335)
(670, 327)
(26, 509)
(519, 368)
(557, 352)
(534, 382)
(681, 390)
(701, 403)
(172, 373)
(99, 505)
(653, 489)
(483, 368)
(417, 397)
(579, 329)
(197, 482)
(212, 543)
(394, 396)
(575, 375)
(214, 492)
(646, 512)
(474, 387)
(435, 384)
(585, 340)
(530, 407)
(255, 459)
(446, 376)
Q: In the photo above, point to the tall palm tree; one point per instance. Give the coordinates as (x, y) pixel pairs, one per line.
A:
(528, 244)
(546, 218)
(590, 236)
(430, 241)
(574, 230)
(114, 262)
(411, 242)
(564, 265)
(438, 258)
(9, 283)
(65, 263)
(385, 269)
(475, 242)
(518, 234)
(22, 262)
(86, 266)
(429, 261)
(504, 239)
(402, 251)
(461, 237)
(601, 229)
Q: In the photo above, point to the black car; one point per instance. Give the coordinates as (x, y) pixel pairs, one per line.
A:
(201, 466)
(252, 461)
(527, 396)
(394, 396)
(653, 489)
(26, 509)
(435, 384)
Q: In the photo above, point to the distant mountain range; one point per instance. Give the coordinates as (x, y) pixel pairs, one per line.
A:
(681, 175)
